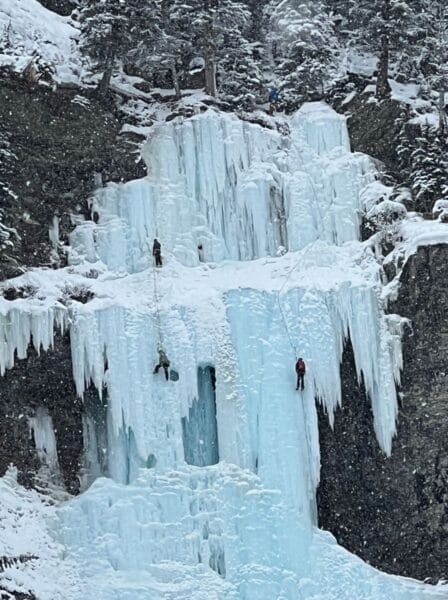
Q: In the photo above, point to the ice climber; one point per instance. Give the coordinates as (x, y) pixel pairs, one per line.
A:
(157, 252)
(164, 363)
(300, 370)
(273, 100)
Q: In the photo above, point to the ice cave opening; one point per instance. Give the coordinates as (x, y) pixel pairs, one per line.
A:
(200, 427)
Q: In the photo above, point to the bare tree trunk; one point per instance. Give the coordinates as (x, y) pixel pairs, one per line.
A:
(210, 76)
(175, 77)
(209, 58)
(443, 124)
(103, 86)
(382, 83)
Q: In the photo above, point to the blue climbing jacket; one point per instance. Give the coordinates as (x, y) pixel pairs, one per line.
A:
(273, 95)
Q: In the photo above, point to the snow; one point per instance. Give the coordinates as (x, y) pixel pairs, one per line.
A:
(361, 63)
(406, 93)
(427, 119)
(244, 528)
(440, 206)
(32, 31)
(415, 232)
(24, 531)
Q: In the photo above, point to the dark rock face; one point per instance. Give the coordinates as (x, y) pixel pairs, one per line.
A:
(6, 595)
(58, 141)
(62, 7)
(374, 129)
(54, 141)
(393, 512)
(41, 381)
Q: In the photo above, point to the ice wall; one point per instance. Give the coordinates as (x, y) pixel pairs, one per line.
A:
(245, 528)
(220, 519)
(115, 346)
(239, 190)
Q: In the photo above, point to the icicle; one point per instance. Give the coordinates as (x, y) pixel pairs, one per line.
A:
(21, 326)
(234, 188)
(42, 431)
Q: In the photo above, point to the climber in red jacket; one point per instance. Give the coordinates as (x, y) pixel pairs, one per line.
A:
(300, 370)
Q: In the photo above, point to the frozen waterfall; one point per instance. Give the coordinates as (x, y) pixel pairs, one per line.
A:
(211, 479)
(236, 189)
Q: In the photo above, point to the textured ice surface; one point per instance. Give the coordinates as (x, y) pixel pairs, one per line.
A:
(217, 518)
(239, 190)
(243, 529)
(200, 429)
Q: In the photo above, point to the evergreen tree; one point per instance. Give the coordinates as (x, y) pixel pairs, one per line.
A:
(386, 26)
(256, 28)
(424, 162)
(240, 78)
(434, 57)
(7, 196)
(304, 47)
(111, 30)
(163, 46)
(208, 24)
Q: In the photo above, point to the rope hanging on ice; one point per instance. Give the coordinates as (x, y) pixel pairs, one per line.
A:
(157, 304)
(282, 312)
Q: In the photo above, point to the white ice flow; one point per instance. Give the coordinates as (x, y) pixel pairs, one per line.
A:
(211, 479)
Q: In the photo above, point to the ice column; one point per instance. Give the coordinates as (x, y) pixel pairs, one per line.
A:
(41, 428)
(238, 190)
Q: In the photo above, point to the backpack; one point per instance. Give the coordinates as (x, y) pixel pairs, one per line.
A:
(300, 366)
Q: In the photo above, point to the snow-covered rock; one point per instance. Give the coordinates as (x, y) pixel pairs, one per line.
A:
(30, 31)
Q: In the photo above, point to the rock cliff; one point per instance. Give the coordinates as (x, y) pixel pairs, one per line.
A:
(393, 512)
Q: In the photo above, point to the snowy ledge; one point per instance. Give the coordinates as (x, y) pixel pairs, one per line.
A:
(416, 232)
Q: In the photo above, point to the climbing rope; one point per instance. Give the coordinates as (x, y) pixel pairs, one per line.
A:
(282, 312)
(156, 301)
